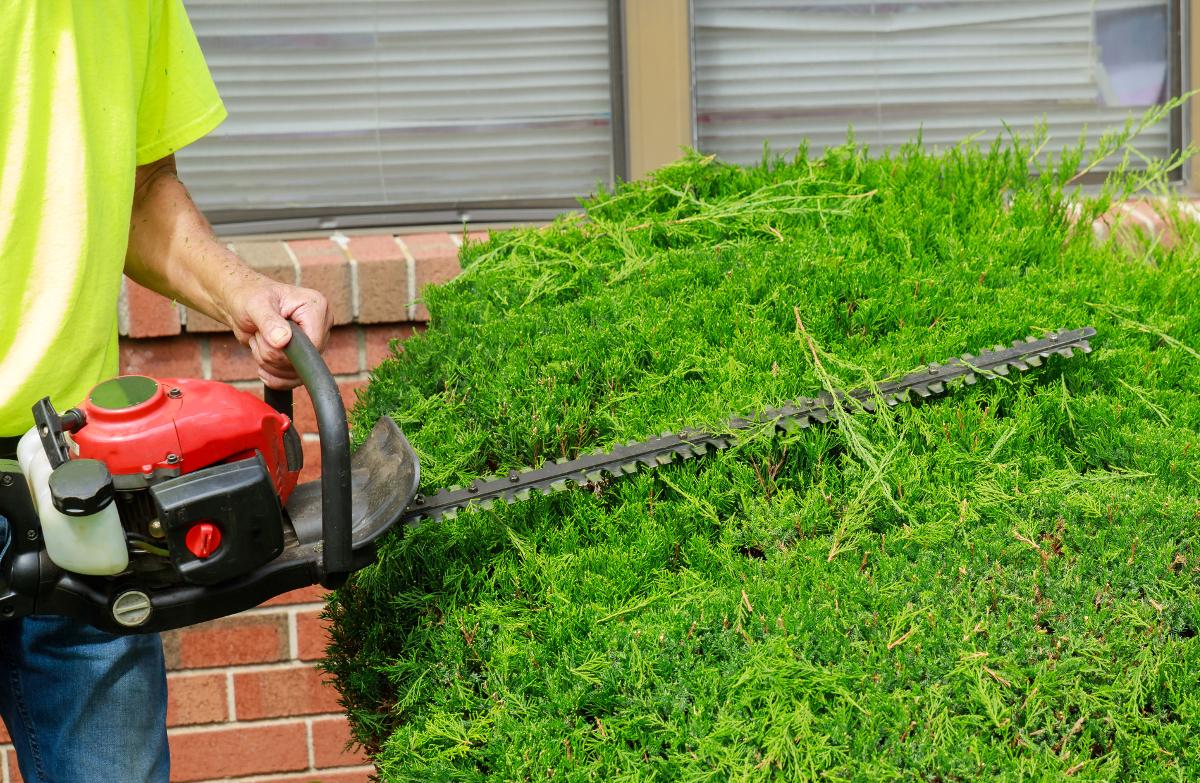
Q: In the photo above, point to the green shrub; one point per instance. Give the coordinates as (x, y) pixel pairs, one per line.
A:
(997, 585)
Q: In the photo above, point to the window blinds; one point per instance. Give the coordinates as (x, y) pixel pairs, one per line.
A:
(402, 102)
(779, 71)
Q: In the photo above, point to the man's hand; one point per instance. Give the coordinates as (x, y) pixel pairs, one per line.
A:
(172, 250)
(257, 315)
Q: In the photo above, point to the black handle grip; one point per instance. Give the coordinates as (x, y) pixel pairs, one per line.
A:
(336, 520)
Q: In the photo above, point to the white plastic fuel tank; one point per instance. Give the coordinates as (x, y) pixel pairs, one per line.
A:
(85, 545)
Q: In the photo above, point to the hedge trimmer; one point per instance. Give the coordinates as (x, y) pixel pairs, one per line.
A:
(162, 503)
(692, 442)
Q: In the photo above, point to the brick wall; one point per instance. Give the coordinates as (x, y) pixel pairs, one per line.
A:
(245, 701)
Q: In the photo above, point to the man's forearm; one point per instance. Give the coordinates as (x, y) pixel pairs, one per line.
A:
(172, 249)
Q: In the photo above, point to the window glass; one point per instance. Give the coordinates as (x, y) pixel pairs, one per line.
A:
(402, 103)
(779, 71)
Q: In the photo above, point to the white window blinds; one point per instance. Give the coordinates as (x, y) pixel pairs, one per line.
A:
(402, 102)
(779, 71)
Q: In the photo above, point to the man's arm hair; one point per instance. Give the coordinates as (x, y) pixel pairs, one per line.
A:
(172, 250)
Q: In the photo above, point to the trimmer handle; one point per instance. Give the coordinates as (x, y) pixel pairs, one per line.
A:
(336, 519)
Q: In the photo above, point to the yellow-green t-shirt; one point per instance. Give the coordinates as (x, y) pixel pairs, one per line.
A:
(89, 89)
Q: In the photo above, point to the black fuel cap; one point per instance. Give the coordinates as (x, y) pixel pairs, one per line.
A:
(81, 487)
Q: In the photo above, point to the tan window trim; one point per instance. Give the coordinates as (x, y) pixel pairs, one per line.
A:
(658, 82)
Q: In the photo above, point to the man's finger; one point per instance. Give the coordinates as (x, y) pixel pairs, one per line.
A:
(313, 316)
(275, 382)
(279, 368)
(272, 331)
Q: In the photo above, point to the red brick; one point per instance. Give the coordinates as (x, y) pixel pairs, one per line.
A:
(312, 635)
(345, 776)
(196, 698)
(14, 772)
(231, 361)
(302, 407)
(199, 322)
(268, 259)
(350, 390)
(150, 314)
(325, 268)
(228, 641)
(341, 350)
(382, 279)
(4, 738)
(436, 258)
(379, 338)
(238, 750)
(161, 357)
(329, 738)
(314, 247)
(380, 247)
(302, 412)
(305, 595)
(430, 245)
(312, 459)
(278, 693)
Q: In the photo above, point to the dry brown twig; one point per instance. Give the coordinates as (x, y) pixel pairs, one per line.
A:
(903, 638)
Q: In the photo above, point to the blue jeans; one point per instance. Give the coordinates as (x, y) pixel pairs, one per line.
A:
(83, 706)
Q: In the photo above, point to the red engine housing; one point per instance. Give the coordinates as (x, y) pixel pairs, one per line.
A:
(185, 425)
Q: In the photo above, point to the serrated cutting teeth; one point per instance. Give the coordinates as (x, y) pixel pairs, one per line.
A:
(558, 475)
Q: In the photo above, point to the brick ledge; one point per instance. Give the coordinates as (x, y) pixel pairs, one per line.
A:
(370, 279)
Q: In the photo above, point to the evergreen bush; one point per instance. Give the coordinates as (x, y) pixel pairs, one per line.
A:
(1000, 584)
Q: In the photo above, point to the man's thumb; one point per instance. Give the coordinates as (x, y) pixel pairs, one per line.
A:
(273, 327)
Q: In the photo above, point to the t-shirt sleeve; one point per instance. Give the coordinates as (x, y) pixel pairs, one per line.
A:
(179, 101)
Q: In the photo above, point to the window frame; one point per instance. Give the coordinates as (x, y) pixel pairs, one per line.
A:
(647, 92)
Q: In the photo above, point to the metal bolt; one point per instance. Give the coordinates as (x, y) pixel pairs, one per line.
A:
(472, 488)
(513, 477)
(8, 610)
(175, 393)
(419, 499)
(131, 609)
(31, 535)
(172, 459)
(7, 481)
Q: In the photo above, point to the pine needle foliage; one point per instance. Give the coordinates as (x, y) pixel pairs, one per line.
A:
(998, 585)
